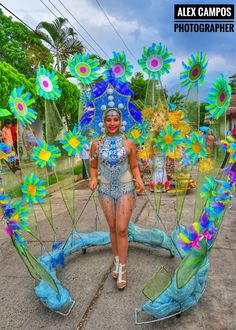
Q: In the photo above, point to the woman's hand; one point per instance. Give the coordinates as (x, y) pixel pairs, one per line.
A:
(93, 184)
(139, 185)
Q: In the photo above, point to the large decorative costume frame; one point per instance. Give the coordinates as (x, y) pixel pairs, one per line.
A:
(191, 245)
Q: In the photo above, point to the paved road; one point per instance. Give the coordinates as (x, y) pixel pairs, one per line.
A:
(98, 304)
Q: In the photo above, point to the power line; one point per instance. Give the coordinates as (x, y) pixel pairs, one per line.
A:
(17, 17)
(23, 22)
(83, 28)
(116, 31)
(49, 9)
(55, 17)
(74, 29)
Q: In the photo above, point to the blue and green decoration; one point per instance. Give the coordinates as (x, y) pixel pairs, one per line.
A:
(219, 98)
(138, 134)
(4, 112)
(195, 71)
(20, 103)
(33, 189)
(45, 155)
(121, 68)
(7, 153)
(195, 148)
(218, 194)
(168, 139)
(47, 84)
(14, 216)
(208, 188)
(109, 95)
(84, 68)
(156, 61)
(74, 142)
(85, 97)
(229, 145)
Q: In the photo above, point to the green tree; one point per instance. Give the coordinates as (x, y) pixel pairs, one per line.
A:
(11, 78)
(233, 83)
(17, 43)
(67, 104)
(203, 113)
(139, 86)
(177, 99)
(63, 41)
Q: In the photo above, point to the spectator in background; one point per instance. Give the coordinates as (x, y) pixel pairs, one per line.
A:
(7, 139)
(14, 134)
(234, 132)
(6, 133)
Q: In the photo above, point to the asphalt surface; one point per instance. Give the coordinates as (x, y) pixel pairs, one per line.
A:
(98, 304)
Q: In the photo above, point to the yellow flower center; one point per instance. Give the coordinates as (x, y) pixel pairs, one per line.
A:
(32, 189)
(168, 138)
(196, 147)
(73, 142)
(3, 155)
(205, 165)
(44, 155)
(16, 217)
(142, 154)
(136, 133)
(177, 154)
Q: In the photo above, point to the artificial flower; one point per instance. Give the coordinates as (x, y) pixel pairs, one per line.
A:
(44, 154)
(20, 103)
(195, 71)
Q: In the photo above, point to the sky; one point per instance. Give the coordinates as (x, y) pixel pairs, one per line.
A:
(140, 23)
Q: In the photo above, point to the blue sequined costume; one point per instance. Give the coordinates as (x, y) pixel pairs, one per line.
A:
(116, 179)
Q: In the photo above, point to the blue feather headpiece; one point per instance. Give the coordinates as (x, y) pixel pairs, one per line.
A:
(110, 95)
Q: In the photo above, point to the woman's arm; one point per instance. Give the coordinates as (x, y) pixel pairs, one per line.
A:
(93, 166)
(134, 166)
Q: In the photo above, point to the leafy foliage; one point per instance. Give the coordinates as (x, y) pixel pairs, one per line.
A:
(11, 78)
(233, 83)
(20, 47)
(139, 86)
(63, 41)
(177, 99)
(67, 104)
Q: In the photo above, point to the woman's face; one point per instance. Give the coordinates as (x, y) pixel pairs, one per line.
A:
(112, 124)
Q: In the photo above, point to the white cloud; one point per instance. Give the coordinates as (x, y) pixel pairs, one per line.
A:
(219, 64)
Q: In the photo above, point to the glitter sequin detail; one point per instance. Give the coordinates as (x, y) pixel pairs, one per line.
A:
(113, 163)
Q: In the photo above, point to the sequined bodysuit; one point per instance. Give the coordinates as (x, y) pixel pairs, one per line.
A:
(116, 179)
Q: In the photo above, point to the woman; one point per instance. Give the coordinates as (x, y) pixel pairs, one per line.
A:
(115, 156)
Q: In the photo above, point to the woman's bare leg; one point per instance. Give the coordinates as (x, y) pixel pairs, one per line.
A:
(124, 210)
(108, 207)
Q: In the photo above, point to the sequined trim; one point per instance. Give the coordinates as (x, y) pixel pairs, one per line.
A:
(113, 158)
(116, 190)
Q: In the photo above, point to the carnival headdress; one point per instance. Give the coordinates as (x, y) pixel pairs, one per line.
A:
(108, 96)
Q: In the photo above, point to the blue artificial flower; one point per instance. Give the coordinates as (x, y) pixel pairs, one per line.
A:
(84, 68)
(20, 106)
(44, 154)
(47, 84)
(156, 61)
(120, 67)
(195, 71)
(218, 98)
